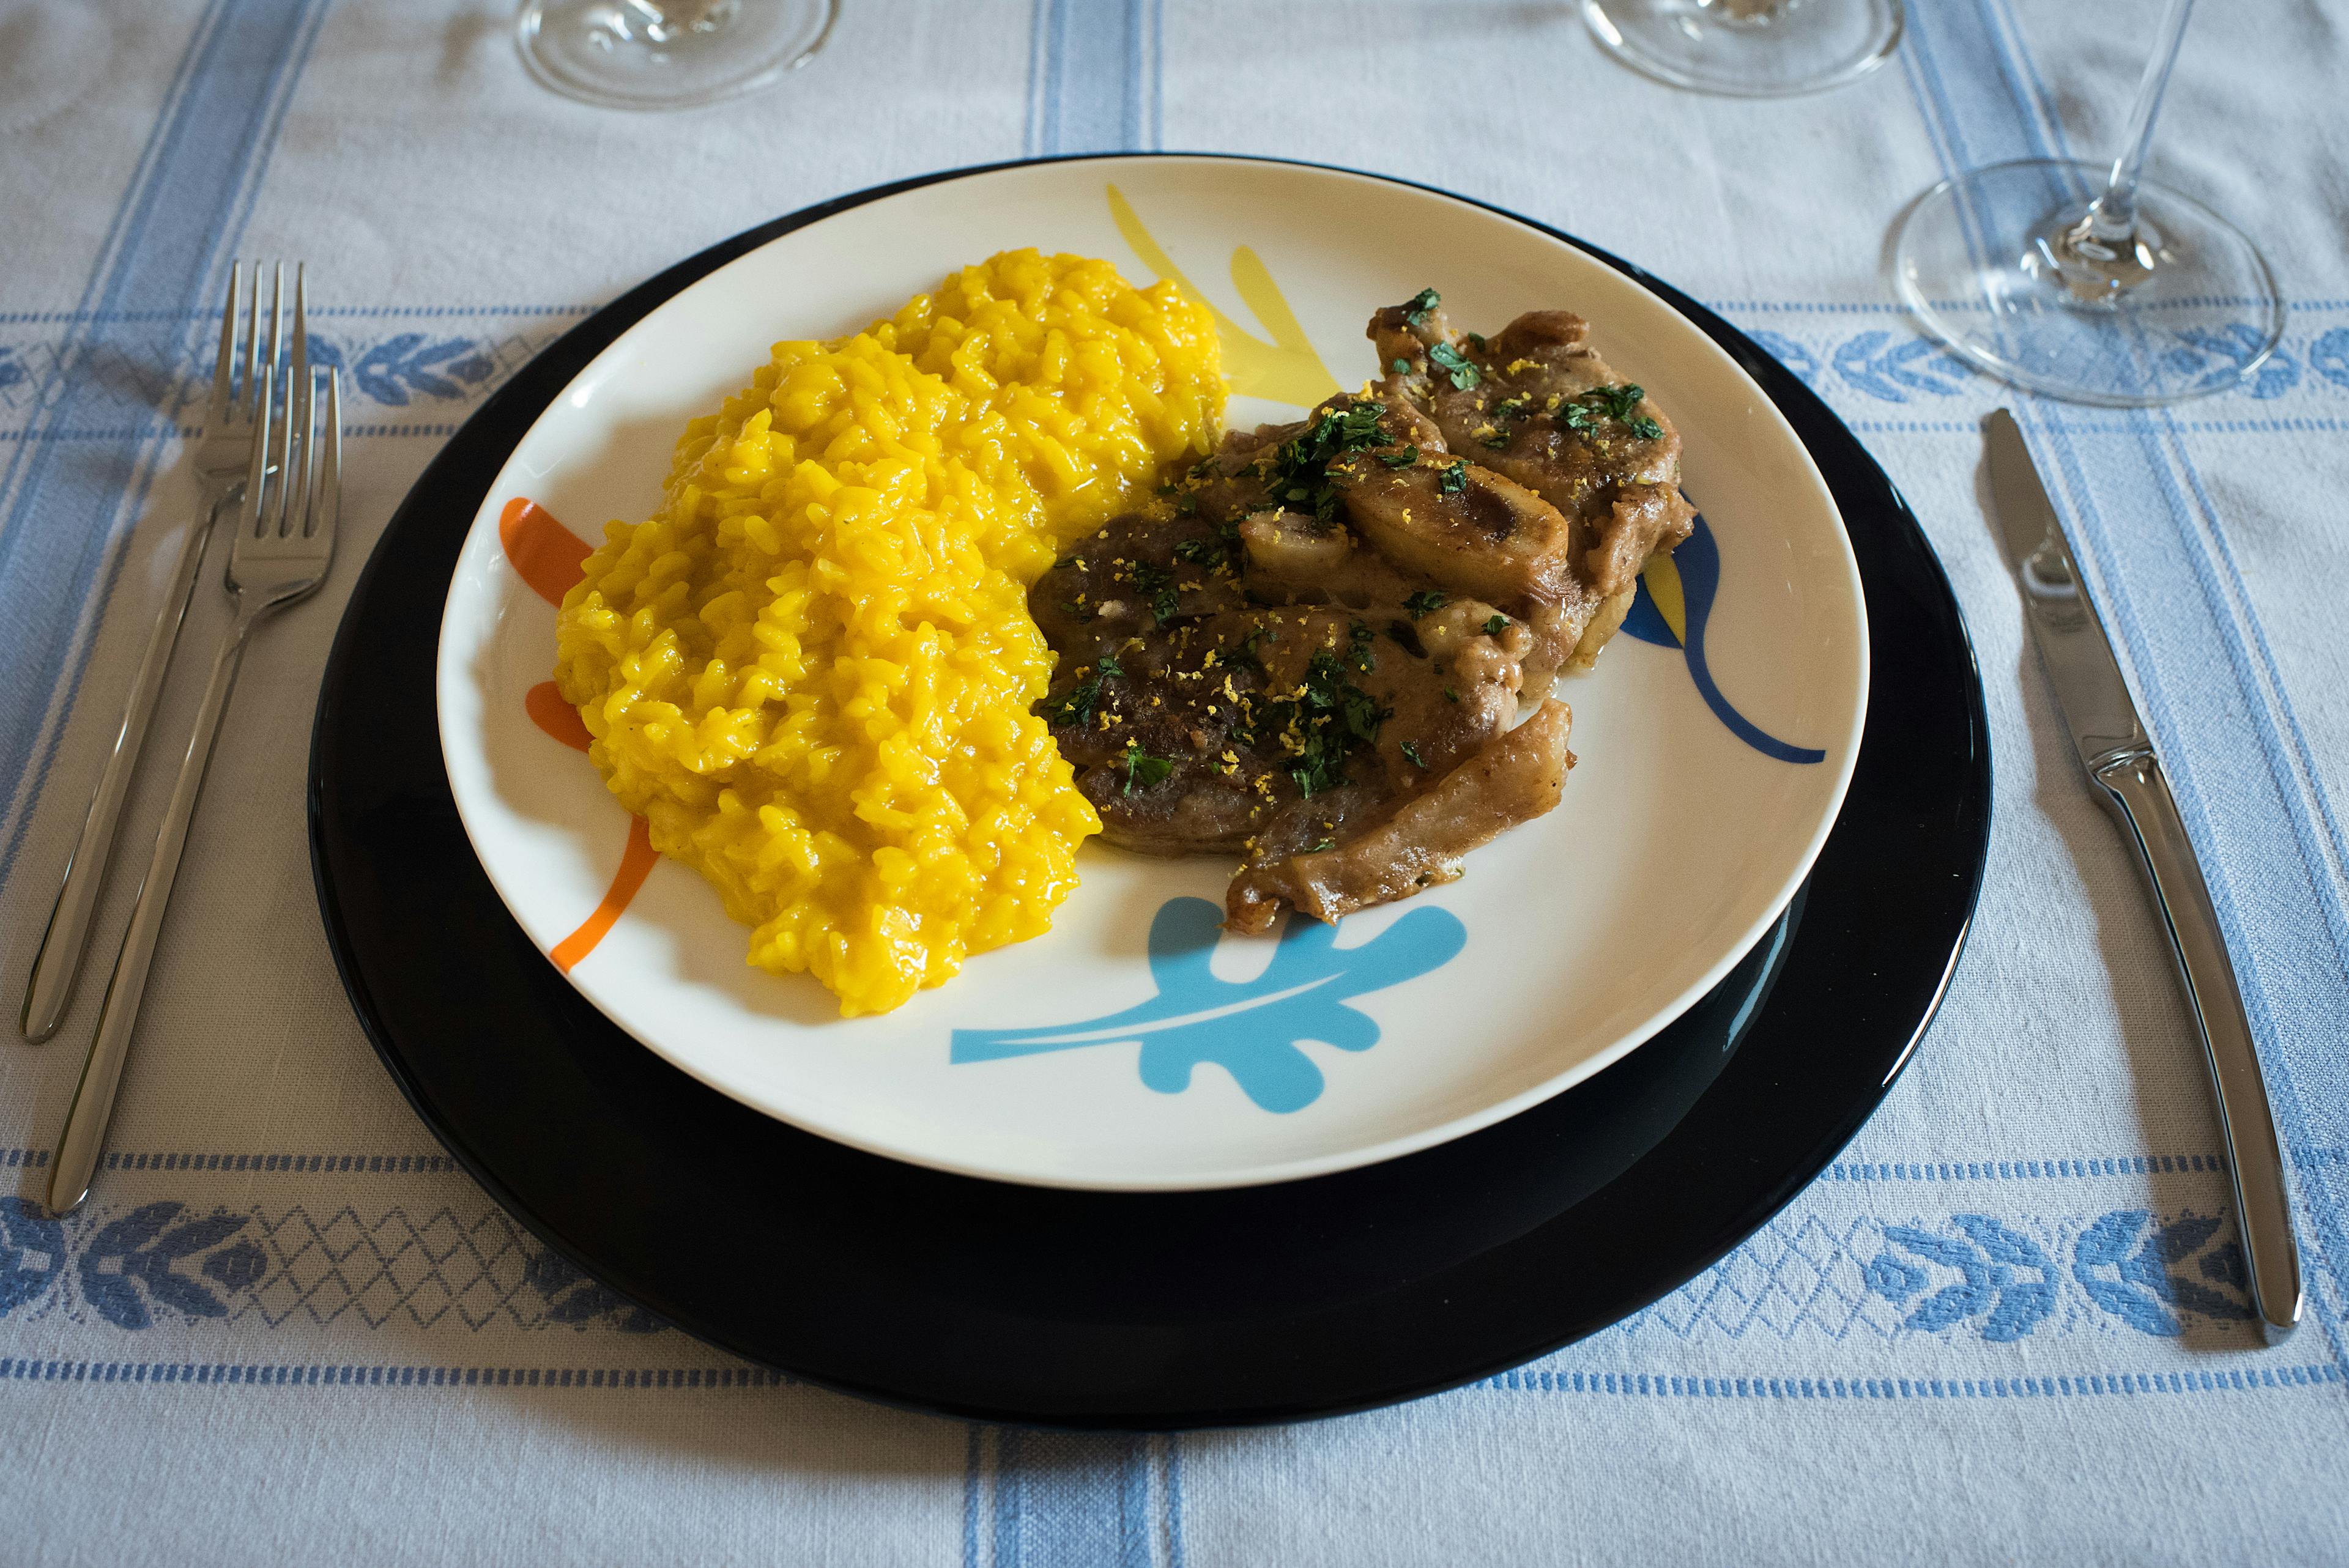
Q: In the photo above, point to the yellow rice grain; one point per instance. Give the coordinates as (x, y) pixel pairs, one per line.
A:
(812, 670)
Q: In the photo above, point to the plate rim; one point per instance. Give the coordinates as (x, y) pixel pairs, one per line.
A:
(1255, 1171)
(1750, 1208)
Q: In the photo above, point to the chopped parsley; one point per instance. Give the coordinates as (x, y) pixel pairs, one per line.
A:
(1213, 553)
(1070, 608)
(1402, 459)
(1300, 469)
(1157, 583)
(1476, 341)
(1513, 407)
(1426, 602)
(1498, 439)
(1621, 404)
(1413, 752)
(1414, 309)
(1329, 717)
(1450, 695)
(1141, 769)
(1401, 367)
(1319, 845)
(1452, 480)
(1358, 635)
(1496, 625)
(1447, 358)
(1076, 706)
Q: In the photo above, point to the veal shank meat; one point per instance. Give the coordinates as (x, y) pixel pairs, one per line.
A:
(1312, 649)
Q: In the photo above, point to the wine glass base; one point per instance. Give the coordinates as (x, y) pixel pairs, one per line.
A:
(619, 54)
(1748, 48)
(1972, 261)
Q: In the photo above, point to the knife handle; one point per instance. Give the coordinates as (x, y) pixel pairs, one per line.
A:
(2135, 789)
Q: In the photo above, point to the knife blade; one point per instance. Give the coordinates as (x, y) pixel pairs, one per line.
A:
(2125, 771)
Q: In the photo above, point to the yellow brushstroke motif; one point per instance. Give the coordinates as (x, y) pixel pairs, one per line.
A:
(1287, 369)
(1663, 581)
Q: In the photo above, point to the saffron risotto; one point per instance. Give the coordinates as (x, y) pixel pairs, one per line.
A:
(811, 672)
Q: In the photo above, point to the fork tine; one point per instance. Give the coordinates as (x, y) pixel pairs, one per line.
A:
(282, 459)
(257, 471)
(300, 377)
(302, 453)
(224, 369)
(251, 387)
(329, 508)
(277, 317)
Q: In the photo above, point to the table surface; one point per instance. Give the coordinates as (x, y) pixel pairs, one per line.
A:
(2007, 1324)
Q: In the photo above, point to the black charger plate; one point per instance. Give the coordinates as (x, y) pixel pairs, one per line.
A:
(1158, 1310)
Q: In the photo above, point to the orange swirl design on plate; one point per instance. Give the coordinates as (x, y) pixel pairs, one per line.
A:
(548, 556)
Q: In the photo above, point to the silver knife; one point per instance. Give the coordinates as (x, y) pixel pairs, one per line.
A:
(2126, 773)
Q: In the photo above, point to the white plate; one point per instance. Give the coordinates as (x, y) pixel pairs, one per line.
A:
(1069, 1060)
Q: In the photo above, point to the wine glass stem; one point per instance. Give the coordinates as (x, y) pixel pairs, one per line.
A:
(2111, 217)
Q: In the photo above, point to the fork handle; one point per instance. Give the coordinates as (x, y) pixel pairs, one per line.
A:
(83, 1139)
(62, 944)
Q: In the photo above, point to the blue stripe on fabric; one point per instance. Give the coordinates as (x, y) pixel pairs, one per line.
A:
(325, 1374)
(1657, 1386)
(1118, 1552)
(1068, 1500)
(109, 248)
(61, 543)
(1094, 78)
(2238, 788)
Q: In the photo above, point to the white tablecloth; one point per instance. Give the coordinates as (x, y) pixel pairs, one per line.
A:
(2008, 1324)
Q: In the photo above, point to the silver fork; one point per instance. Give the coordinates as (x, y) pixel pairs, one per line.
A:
(222, 458)
(284, 542)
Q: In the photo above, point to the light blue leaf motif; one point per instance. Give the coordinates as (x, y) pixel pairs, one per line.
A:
(1793, 355)
(572, 1298)
(2106, 1244)
(1890, 370)
(410, 364)
(1952, 1303)
(12, 369)
(2144, 1285)
(2328, 357)
(2220, 355)
(32, 1253)
(1892, 1279)
(141, 1251)
(1252, 1030)
(1986, 1259)
(2021, 1303)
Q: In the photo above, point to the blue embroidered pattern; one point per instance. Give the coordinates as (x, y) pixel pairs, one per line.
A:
(1965, 1278)
(1252, 1030)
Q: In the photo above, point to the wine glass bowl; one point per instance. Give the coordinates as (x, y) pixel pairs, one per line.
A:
(2000, 265)
(667, 54)
(2090, 283)
(1748, 48)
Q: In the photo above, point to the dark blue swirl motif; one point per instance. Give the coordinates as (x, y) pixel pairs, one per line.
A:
(1698, 564)
(1252, 1030)
(1988, 1258)
(32, 1253)
(132, 1261)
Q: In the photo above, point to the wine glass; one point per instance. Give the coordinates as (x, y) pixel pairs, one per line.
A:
(1748, 48)
(2087, 282)
(668, 54)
